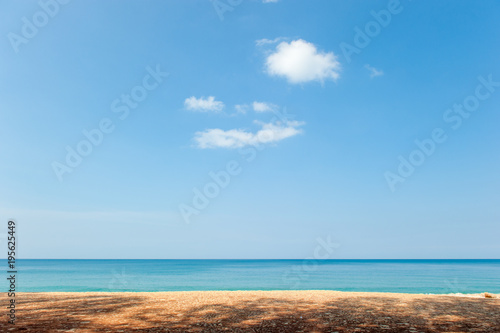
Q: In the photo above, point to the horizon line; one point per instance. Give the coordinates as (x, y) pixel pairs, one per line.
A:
(330, 259)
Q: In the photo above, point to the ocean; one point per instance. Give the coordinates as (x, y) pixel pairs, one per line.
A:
(401, 276)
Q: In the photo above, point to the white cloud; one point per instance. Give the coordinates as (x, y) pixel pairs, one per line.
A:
(265, 41)
(269, 1)
(241, 108)
(203, 104)
(263, 107)
(373, 71)
(236, 138)
(300, 61)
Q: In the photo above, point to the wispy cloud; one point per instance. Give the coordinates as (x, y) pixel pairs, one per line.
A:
(237, 138)
(300, 61)
(373, 71)
(263, 106)
(241, 108)
(255, 106)
(203, 104)
(265, 41)
(269, 1)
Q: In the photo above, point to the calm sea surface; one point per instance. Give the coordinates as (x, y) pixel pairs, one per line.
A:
(408, 276)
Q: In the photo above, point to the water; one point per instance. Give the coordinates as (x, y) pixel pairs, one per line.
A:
(405, 276)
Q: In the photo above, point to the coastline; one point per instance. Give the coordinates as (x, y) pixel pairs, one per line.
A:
(474, 295)
(251, 311)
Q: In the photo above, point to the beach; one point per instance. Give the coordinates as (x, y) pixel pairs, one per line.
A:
(252, 311)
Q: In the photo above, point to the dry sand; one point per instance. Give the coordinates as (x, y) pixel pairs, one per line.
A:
(252, 311)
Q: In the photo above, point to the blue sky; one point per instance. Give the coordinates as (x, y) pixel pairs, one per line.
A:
(311, 131)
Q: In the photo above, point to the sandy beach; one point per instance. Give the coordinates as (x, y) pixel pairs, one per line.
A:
(253, 311)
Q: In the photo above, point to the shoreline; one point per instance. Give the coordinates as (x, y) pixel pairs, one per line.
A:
(475, 295)
(253, 311)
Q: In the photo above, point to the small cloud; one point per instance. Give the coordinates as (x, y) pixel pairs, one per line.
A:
(237, 138)
(263, 107)
(241, 108)
(203, 104)
(269, 1)
(265, 41)
(300, 61)
(373, 71)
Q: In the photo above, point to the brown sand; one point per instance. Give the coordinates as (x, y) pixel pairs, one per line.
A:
(252, 311)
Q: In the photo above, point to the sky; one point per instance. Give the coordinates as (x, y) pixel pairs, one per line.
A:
(250, 129)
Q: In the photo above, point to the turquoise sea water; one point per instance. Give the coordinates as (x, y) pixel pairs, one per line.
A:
(407, 276)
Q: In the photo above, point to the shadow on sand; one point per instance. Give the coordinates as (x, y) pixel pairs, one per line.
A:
(80, 312)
